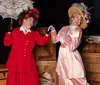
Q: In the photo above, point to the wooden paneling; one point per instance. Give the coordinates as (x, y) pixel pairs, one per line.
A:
(91, 58)
(93, 76)
(46, 52)
(92, 66)
(3, 74)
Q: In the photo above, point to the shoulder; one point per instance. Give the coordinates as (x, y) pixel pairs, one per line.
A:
(64, 28)
(34, 32)
(16, 29)
(78, 29)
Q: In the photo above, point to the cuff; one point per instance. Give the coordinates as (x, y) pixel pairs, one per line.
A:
(47, 35)
(8, 32)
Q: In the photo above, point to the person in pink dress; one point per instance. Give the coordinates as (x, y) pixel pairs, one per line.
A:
(70, 67)
(22, 69)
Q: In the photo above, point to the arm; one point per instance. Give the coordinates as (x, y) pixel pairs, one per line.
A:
(41, 40)
(8, 39)
(8, 36)
(51, 30)
(54, 37)
(73, 42)
(58, 37)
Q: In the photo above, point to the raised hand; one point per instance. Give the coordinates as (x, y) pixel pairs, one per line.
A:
(10, 27)
(50, 29)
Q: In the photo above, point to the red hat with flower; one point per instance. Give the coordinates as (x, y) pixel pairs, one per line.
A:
(34, 12)
(29, 13)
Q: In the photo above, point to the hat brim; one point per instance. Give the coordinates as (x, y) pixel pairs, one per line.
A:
(75, 9)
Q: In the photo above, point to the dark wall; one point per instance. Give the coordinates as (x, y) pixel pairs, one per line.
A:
(96, 17)
(5, 50)
(53, 12)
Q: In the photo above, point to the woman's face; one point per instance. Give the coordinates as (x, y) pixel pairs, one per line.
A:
(28, 23)
(76, 20)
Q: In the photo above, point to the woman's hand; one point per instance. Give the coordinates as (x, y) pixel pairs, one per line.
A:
(63, 45)
(50, 29)
(10, 27)
(68, 38)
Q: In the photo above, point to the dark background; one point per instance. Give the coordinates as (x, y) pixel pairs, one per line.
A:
(53, 12)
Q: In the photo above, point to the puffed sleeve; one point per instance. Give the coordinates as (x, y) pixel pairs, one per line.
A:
(58, 37)
(41, 40)
(8, 39)
(75, 41)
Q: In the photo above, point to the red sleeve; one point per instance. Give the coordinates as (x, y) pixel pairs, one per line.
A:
(8, 39)
(41, 40)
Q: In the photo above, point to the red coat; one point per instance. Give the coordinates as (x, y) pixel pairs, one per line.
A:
(21, 58)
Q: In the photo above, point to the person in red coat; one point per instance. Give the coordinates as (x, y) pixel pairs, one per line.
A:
(21, 64)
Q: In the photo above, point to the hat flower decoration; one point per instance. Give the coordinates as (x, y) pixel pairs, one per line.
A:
(34, 12)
